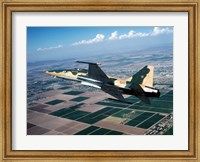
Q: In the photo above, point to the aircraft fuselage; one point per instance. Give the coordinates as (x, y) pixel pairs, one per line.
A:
(140, 86)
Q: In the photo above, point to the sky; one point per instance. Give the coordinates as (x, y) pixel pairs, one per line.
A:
(56, 43)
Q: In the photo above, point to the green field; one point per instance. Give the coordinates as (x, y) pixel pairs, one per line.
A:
(154, 109)
(98, 115)
(139, 119)
(79, 99)
(100, 131)
(113, 104)
(75, 114)
(62, 88)
(87, 130)
(127, 113)
(114, 133)
(74, 93)
(76, 106)
(54, 102)
(62, 112)
(93, 130)
(151, 121)
(157, 103)
(132, 99)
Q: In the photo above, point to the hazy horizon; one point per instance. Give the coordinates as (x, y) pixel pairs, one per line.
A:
(57, 43)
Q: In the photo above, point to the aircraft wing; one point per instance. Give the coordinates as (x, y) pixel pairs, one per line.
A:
(112, 91)
(95, 72)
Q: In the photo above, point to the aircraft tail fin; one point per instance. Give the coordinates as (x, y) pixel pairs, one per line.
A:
(143, 77)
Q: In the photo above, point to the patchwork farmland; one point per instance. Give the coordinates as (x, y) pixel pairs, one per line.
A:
(67, 112)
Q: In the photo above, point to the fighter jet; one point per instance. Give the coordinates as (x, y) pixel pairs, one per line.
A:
(139, 85)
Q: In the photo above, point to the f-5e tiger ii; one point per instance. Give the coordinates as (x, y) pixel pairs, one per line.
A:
(139, 85)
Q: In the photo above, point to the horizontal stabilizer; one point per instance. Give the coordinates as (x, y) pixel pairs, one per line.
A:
(139, 93)
(112, 91)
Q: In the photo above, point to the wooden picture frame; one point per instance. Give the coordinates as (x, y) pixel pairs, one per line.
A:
(10, 6)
